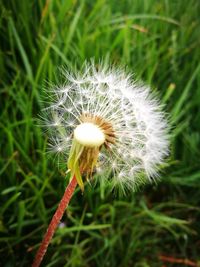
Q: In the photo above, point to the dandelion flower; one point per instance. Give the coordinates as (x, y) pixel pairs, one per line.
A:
(104, 122)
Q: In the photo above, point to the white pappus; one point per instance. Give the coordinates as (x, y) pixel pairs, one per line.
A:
(105, 122)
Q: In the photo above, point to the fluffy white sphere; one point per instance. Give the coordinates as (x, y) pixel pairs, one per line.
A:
(141, 130)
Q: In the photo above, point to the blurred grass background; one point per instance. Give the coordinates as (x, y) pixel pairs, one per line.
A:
(160, 42)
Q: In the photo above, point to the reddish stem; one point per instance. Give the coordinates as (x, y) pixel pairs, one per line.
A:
(175, 260)
(55, 221)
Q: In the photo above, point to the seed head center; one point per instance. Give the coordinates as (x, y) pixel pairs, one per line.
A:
(89, 135)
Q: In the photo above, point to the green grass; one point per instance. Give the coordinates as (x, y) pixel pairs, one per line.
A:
(158, 41)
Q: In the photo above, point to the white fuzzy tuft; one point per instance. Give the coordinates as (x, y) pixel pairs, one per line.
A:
(139, 124)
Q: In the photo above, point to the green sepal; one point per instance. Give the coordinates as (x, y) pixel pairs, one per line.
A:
(73, 163)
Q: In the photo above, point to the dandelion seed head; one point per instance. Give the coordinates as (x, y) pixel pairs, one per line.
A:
(105, 109)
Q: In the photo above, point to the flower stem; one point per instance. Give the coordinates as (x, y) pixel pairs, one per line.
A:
(55, 221)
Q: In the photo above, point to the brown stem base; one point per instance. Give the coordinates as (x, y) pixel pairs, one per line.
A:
(54, 222)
